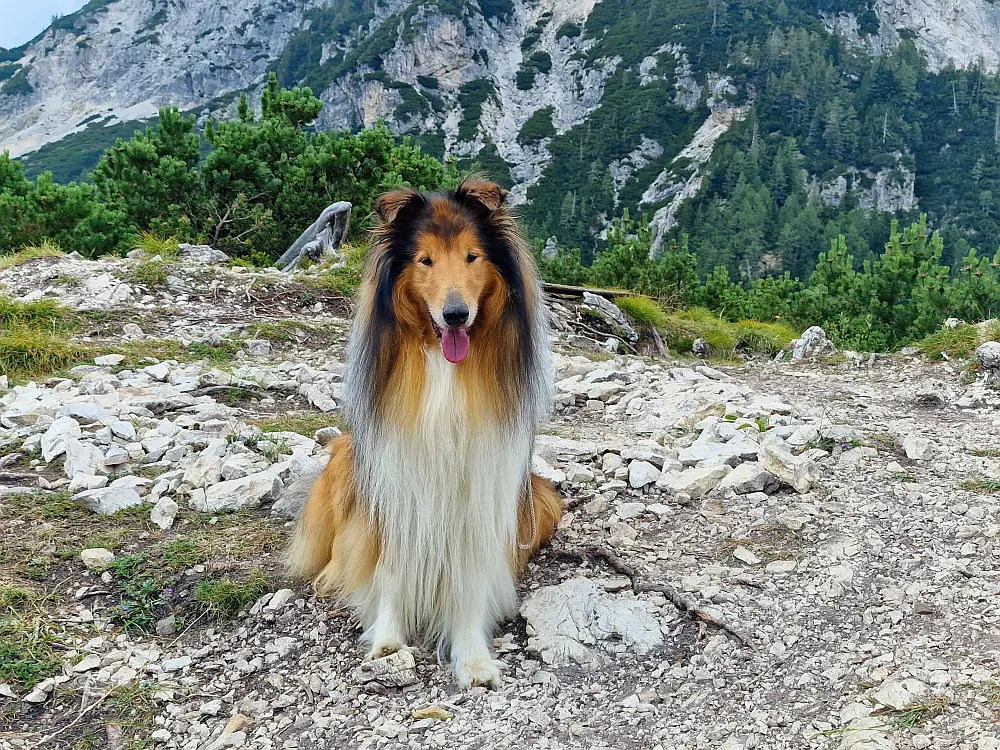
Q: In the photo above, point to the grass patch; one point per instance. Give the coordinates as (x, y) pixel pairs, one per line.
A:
(149, 273)
(960, 342)
(279, 331)
(27, 653)
(183, 553)
(153, 244)
(34, 339)
(302, 423)
(30, 353)
(986, 452)
(47, 249)
(904, 478)
(914, 715)
(642, 310)
(226, 598)
(985, 486)
(725, 339)
(345, 279)
(224, 352)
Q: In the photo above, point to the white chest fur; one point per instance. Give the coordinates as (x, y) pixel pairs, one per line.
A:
(445, 496)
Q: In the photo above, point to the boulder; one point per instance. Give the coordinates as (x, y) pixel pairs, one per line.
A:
(919, 448)
(164, 513)
(577, 621)
(236, 494)
(54, 439)
(749, 477)
(108, 500)
(799, 472)
(988, 355)
(202, 254)
(641, 473)
(696, 482)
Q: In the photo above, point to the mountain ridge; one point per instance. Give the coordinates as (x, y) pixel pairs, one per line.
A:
(583, 108)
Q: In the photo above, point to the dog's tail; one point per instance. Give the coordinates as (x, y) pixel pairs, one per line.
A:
(312, 544)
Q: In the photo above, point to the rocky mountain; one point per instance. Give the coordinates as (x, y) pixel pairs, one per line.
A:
(585, 108)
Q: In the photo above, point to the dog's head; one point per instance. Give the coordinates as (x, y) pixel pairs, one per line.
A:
(448, 265)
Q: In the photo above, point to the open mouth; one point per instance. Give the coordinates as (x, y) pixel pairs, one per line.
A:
(454, 342)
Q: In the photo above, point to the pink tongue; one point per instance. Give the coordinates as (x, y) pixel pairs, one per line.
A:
(455, 344)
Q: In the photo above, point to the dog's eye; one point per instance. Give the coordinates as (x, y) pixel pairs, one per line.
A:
(471, 257)
(427, 262)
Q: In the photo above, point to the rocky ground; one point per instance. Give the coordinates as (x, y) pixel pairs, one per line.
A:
(828, 523)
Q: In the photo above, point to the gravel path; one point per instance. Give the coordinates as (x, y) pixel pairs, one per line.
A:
(864, 603)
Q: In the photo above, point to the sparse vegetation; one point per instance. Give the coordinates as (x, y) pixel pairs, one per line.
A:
(643, 311)
(985, 486)
(225, 598)
(153, 244)
(303, 423)
(150, 273)
(33, 340)
(959, 342)
(44, 249)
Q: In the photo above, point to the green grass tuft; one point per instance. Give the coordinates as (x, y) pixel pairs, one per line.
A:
(225, 598)
(303, 423)
(986, 486)
(642, 310)
(153, 244)
(725, 339)
(959, 342)
(47, 249)
(150, 273)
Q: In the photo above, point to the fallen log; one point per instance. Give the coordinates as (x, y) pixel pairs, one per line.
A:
(577, 291)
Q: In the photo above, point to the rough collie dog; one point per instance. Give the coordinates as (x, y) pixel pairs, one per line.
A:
(428, 512)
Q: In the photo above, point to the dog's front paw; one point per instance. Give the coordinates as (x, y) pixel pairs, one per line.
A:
(484, 672)
(384, 648)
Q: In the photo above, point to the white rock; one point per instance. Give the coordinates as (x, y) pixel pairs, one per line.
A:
(205, 254)
(629, 510)
(797, 471)
(204, 472)
(54, 439)
(742, 554)
(280, 598)
(83, 458)
(164, 512)
(87, 663)
(988, 354)
(177, 664)
(87, 482)
(899, 694)
(542, 468)
(108, 500)
(748, 477)
(159, 371)
(696, 482)
(395, 670)
(109, 360)
(641, 473)
(919, 448)
(572, 621)
(116, 456)
(258, 347)
(97, 558)
(236, 494)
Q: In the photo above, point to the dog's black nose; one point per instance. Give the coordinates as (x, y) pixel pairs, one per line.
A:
(456, 314)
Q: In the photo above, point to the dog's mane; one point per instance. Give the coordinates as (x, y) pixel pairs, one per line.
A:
(384, 342)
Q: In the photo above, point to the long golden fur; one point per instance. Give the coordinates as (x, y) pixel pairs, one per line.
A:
(431, 489)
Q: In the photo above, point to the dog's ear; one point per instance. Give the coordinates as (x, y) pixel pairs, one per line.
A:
(389, 205)
(488, 194)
